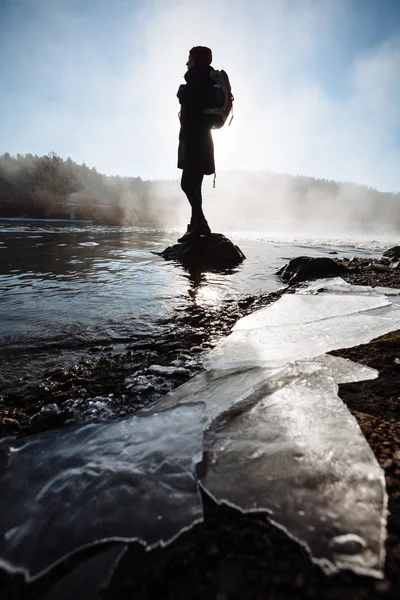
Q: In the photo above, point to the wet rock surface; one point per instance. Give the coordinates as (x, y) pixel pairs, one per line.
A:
(306, 268)
(230, 555)
(393, 252)
(215, 251)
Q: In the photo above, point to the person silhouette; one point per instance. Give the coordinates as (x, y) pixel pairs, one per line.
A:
(196, 147)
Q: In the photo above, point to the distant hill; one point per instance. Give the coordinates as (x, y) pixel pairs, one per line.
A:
(51, 187)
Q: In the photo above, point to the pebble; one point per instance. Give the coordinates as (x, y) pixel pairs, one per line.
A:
(387, 464)
(138, 384)
(382, 587)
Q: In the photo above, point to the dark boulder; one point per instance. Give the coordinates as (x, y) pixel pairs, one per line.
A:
(393, 252)
(213, 251)
(305, 268)
(49, 417)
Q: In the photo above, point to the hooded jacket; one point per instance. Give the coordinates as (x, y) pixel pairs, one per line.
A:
(196, 148)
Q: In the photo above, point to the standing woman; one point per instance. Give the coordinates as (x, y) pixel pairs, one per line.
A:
(196, 148)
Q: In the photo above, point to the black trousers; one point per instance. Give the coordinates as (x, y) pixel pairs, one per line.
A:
(191, 183)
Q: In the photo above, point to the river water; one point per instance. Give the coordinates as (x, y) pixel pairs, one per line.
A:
(65, 289)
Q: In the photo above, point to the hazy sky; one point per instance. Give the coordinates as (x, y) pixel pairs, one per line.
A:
(316, 83)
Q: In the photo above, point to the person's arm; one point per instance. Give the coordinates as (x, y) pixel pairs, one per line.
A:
(198, 92)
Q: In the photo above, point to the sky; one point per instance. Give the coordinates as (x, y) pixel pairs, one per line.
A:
(316, 84)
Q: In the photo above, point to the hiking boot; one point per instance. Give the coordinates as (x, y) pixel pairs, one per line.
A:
(202, 229)
(195, 231)
(187, 234)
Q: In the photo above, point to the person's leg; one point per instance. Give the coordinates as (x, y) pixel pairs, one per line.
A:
(191, 185)
(201, 225)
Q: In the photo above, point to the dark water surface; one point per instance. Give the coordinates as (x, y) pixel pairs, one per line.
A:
(68, 288)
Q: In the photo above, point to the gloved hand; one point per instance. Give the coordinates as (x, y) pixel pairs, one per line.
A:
(181, 90)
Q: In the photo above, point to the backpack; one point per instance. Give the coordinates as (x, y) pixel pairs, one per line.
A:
(223, 99)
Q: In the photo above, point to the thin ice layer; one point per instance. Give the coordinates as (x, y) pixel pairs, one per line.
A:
(127, 480)
(299, 327)
(222, 389)
(278, 436)
(299, 454)
(344, 370)
(296, 309)
(337, 285)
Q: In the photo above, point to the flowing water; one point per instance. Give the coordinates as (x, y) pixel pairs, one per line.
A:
(64, 289)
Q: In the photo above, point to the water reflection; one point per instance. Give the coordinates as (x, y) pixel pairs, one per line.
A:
(63, 288)
(205, 285)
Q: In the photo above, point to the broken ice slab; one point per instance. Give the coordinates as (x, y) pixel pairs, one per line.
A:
(281, 440)
(344, 370)
(222, 389)
(126, 480)
(296, 309)
(299, 327)
(299, 454)
(338, 285)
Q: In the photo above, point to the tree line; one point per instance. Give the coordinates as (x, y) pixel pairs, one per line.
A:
(49, 186)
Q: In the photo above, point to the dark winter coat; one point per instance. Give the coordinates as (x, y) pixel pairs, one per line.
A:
(196, 148)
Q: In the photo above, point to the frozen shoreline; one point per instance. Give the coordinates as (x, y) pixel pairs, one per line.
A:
(188, 384)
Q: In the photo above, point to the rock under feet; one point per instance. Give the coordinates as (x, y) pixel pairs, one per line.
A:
(214, 251)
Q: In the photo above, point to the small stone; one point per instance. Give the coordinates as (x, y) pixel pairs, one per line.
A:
(379, 268)
(387, 464)
(382, 587)
(393, 252)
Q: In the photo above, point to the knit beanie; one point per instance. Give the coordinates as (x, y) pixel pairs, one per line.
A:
(201, 55)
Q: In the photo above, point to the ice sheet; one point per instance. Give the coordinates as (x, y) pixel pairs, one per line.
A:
(131, 479)
(346, 371)
(337, 285)
(296, 309)
(220, 390)
(299, 454)
(299, 327)
(279, 439)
